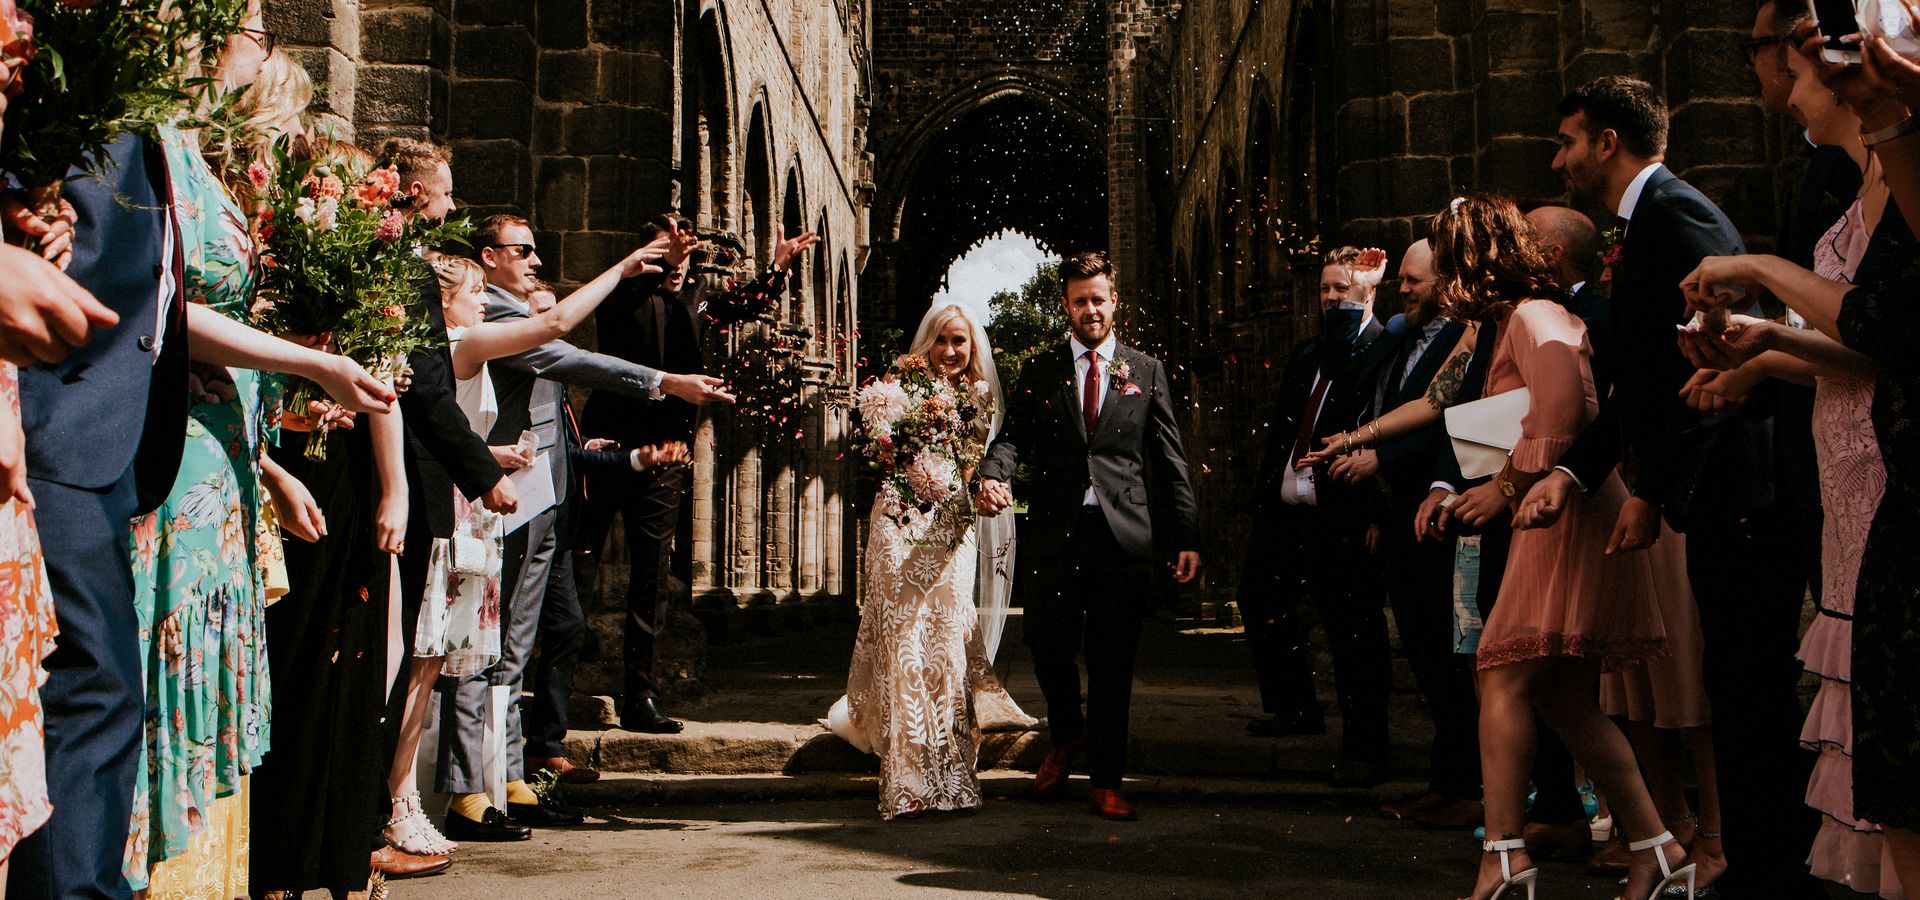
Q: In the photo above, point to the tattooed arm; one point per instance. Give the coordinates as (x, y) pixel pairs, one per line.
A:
(1410, 416)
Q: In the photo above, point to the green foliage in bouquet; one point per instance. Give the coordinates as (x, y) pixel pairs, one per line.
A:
(923, 434)
(96, 73)
(338, 258)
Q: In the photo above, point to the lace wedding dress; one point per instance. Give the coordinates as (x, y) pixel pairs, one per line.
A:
(922, 687)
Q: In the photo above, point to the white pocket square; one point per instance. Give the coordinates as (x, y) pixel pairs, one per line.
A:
(1485, 431)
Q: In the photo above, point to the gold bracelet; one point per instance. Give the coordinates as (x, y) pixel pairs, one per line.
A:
(1374, 426)
(1898, 129)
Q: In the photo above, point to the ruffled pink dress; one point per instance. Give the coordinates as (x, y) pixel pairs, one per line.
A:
(1852, 478)
(1563, 596)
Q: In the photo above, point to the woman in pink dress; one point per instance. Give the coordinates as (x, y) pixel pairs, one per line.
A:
(1566, 608)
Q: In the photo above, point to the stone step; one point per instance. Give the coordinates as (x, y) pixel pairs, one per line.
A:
(754, 748)
(625, 789)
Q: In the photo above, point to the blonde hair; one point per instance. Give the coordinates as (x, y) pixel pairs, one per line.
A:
(458, 275)
(937, 322)
(272, 107)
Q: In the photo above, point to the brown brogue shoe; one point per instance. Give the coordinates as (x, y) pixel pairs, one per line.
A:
(1108, 804)
(1453, 814)
(394, 862)
(568, 773)
(1052, 777)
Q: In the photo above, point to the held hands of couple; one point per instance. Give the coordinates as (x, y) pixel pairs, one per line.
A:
(1637, 528)
(992, 497)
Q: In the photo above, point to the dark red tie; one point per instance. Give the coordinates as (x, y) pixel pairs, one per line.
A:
(1303, 441)
(1090, 393)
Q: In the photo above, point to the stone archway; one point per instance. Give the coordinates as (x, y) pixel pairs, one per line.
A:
(1004, 155)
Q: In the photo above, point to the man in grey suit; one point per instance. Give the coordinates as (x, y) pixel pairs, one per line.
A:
(1094, 419)
(537, 584)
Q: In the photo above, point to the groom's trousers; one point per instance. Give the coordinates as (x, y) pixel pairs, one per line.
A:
(1096, 596)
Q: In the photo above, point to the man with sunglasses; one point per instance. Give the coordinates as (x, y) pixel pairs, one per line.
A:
(538, 592)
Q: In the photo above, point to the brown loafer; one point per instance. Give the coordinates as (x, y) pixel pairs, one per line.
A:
(1108, 804)
(394, 862)
(568, 773)
(1454, 814)
(1405, 810)
(1054, 770)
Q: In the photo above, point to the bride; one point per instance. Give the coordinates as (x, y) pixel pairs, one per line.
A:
(922, 686)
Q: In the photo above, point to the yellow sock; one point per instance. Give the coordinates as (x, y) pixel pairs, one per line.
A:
(518, 792)
(470, 806)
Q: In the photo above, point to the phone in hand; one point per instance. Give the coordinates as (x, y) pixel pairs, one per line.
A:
(1836, 21)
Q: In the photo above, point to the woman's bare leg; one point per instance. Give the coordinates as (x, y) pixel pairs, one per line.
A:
(1506, 757)
(1707, 849)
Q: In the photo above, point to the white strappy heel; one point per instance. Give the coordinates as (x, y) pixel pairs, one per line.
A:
(1509, 879)
(1669, 877)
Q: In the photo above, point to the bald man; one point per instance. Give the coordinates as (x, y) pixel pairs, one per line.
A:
(1420, 573)
(1571, 243)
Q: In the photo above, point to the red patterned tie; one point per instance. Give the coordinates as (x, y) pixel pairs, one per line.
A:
(1090, 393)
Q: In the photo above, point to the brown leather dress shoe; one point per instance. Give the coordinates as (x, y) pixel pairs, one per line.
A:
(567, 772)
(1405, 810)
(394, 862)
(1054, 770)
(1108, 804)
(1572, 842)
(1454, 814)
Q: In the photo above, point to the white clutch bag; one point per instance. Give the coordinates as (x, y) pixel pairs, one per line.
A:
(1485, 431)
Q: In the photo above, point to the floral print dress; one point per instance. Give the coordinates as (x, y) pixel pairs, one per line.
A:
(26, 637)
(199, 573)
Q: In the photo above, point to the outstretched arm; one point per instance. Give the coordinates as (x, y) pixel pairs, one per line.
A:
(221, 341)
(1408, 417)
(506, 337)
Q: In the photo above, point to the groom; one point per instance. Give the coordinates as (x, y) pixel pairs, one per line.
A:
(1110, 498)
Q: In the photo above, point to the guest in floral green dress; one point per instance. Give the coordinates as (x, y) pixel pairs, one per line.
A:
(199, 584)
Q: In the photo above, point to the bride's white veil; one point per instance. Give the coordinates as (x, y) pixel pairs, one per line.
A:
(993, 582)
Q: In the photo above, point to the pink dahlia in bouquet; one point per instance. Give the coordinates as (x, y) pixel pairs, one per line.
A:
(338, 258)
(925, 434)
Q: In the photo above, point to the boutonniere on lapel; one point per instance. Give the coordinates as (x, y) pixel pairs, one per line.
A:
(1122, 375)
(1611, 241)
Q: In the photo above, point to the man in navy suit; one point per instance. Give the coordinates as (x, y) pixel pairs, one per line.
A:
(1713, 479)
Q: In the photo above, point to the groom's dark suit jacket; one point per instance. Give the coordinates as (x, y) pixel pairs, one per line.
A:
(1134, 459)
(1687, 463)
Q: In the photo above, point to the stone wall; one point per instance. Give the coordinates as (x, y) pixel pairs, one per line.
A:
(1364, 117)
(591, 116)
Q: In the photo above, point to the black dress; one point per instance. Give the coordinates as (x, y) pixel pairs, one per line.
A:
(1881, 319)
(318, 797)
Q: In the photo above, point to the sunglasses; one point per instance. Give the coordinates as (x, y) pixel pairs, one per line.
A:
(526, 250)
(1751, 47)
(260, 36)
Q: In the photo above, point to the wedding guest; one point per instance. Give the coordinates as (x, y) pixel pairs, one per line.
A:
(1419, 574)
(201, 578)
(1310, 538)
(1709, 478)
(540, 594)
(91, 479)
(1565, 606)
(448, 467)
(660, 323)
(1884, 696)
(1111, 496)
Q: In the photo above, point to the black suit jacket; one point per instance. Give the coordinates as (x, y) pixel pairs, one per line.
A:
(1134, 460)
(1685, 462)
(1406, 462)
(642, 324)
(1596, 310)
(75, 412)
(443, 453)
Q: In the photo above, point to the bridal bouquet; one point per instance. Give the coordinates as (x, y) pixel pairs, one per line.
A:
(923, 434)
(337, 257)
